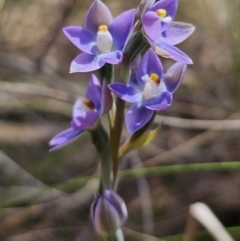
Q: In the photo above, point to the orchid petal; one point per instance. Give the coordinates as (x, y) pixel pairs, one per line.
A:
(134, 69)
(86, 121)
(152, 25)
(136, 117)
(106, 99)
(160, 102)
(174, 53)
(81, 38)
(120, 28)
(85, 63)
(98, 14)
(178, 32)
(64, 138)
(173, 77)
(94, 91)
(126, 92)
(113, 57)
(150, 63)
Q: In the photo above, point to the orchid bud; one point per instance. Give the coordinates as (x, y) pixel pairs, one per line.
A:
(108, 212)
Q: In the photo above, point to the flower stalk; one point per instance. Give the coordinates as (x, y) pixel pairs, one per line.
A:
(100, 140)
(123, 50)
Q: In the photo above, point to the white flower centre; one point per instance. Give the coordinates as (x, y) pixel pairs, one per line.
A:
(83, 105)
(151, 87)
(104, 39)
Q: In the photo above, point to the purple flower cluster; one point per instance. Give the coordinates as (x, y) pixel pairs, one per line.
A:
(104, 39)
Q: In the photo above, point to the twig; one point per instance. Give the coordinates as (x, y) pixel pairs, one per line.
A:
(201, 213)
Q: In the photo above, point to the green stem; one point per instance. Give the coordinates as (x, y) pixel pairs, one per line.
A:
(74, 184)
(101, 141)
(106, 72)
(181, 168)
(122, 72)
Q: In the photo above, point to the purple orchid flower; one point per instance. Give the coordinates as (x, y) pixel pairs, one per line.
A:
(101, 39)
(162, 33)
(149, 91)
(86, 112)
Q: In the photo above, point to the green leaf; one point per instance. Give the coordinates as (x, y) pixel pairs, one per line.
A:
(136, 143)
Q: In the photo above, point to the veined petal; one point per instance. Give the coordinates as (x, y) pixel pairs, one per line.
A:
(160, 102)
(169, 5)
(118, 204)
(85, 122)
(178, 32)
(113, 57)
(150, 63)
(174, 53)
(136, 117)
(134, 69)
(94, 91)
(120, 28)
(173, 77)
(86, 63)
(152, 25)
(64, 138)
(98, 14)
(81, 38)
(126, 92)
(106, 99)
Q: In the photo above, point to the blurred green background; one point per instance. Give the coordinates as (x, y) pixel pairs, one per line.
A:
(47, 196)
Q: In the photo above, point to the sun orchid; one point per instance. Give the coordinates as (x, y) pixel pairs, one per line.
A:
(150, 91)
(162, 33)
(101, 39)
(86, 112)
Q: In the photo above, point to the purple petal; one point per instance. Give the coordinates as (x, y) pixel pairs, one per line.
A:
(178, 32)
(152, 25)
(133, 74)
(120, 28)
(150, 63)
(105, 217)
(106, 99)
(81, 38)
(94, 91)
(169, 5)
(98, 14)
(118, 204)
(173, 77)
(86, 121)
(160, 102)
(174, 53)
(64, 138)
(85, 63)
(113, 57)
(126, 92)
(136, 117)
